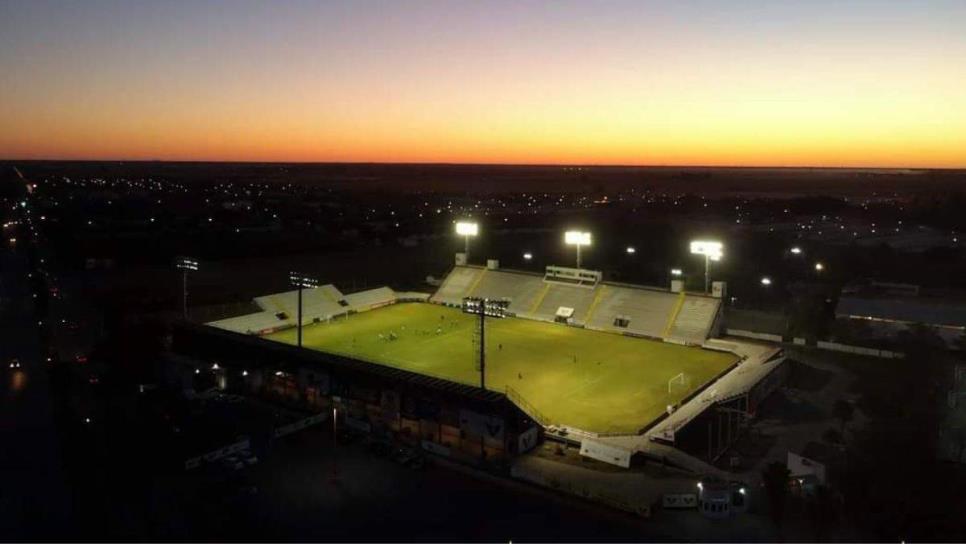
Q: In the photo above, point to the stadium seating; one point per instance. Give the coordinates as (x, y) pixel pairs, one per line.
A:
(256, 323)
(611, 307)
(578, 298)
(317, 304)
(695, 319)
(373, 298)
(457, 284)
(521, 289)
(646, 311)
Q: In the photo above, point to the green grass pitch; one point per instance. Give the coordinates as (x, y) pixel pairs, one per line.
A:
(591, 380)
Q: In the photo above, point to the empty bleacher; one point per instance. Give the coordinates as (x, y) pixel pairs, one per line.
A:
(645, 311)
(373, 298)
(256, 323)
(521, 289)
(695, 319)
(578, 298)
(457, 284)
(317, 304)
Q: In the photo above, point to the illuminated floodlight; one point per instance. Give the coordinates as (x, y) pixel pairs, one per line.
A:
(631, 250)
(187, 263)
(577, 238)
(465, 228)
(796, 250)
(302, 281)
(676, 272)
(766, 281)
(527, 256)
(819, 267)
(712, 251)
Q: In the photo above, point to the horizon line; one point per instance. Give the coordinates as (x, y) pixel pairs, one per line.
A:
(519, 165)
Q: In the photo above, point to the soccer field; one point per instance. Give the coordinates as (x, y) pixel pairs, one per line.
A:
(591, 380)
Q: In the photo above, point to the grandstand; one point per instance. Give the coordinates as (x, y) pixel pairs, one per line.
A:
(635, 310)
(280, 310)
(694, 319)
(458, 284)
(612, 307)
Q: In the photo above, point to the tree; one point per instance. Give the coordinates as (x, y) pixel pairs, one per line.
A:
(775, 477)
(843, 411)
(832, 436)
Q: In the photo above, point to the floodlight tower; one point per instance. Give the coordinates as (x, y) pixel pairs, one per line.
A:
(712, 251)
(577, 238)
(301, 281)
(185, 265)
(467, 229)
(484, 307)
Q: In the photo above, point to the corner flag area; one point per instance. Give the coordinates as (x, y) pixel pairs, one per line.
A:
(595, 381)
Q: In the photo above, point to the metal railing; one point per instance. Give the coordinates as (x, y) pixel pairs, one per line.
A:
(528, 408)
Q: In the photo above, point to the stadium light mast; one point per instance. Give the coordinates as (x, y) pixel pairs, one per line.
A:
(185, 265)
(577, 238)
(301, 281)
(467, 229)
(712, 251)
(484, 307)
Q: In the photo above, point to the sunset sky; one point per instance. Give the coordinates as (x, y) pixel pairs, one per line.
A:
(811, 83)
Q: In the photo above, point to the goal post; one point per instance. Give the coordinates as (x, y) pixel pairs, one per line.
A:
(678, 383)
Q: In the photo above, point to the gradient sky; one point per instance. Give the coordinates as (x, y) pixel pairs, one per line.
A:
(811, 82)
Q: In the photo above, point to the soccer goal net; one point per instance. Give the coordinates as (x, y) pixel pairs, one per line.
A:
(679, 384)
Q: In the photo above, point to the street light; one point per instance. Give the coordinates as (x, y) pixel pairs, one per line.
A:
(577, 238)
(819, 267)
(467, 229)
(796, 250)
(185, 265)
(766, 281)
(301, 281)
(712, 251)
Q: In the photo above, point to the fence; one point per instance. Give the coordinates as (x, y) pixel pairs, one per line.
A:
(831, 346)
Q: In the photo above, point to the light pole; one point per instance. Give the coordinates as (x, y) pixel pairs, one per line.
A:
(301, 281)
(484, 307)
(467, 229)
(185, 264)
(577, 238)
(712, 251)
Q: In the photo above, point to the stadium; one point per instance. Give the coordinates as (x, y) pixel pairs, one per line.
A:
(616, 368)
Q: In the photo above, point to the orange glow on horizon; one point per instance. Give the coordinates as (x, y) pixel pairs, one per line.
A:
(629, 83)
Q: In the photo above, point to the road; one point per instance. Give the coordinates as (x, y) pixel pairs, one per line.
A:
(34, 499)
